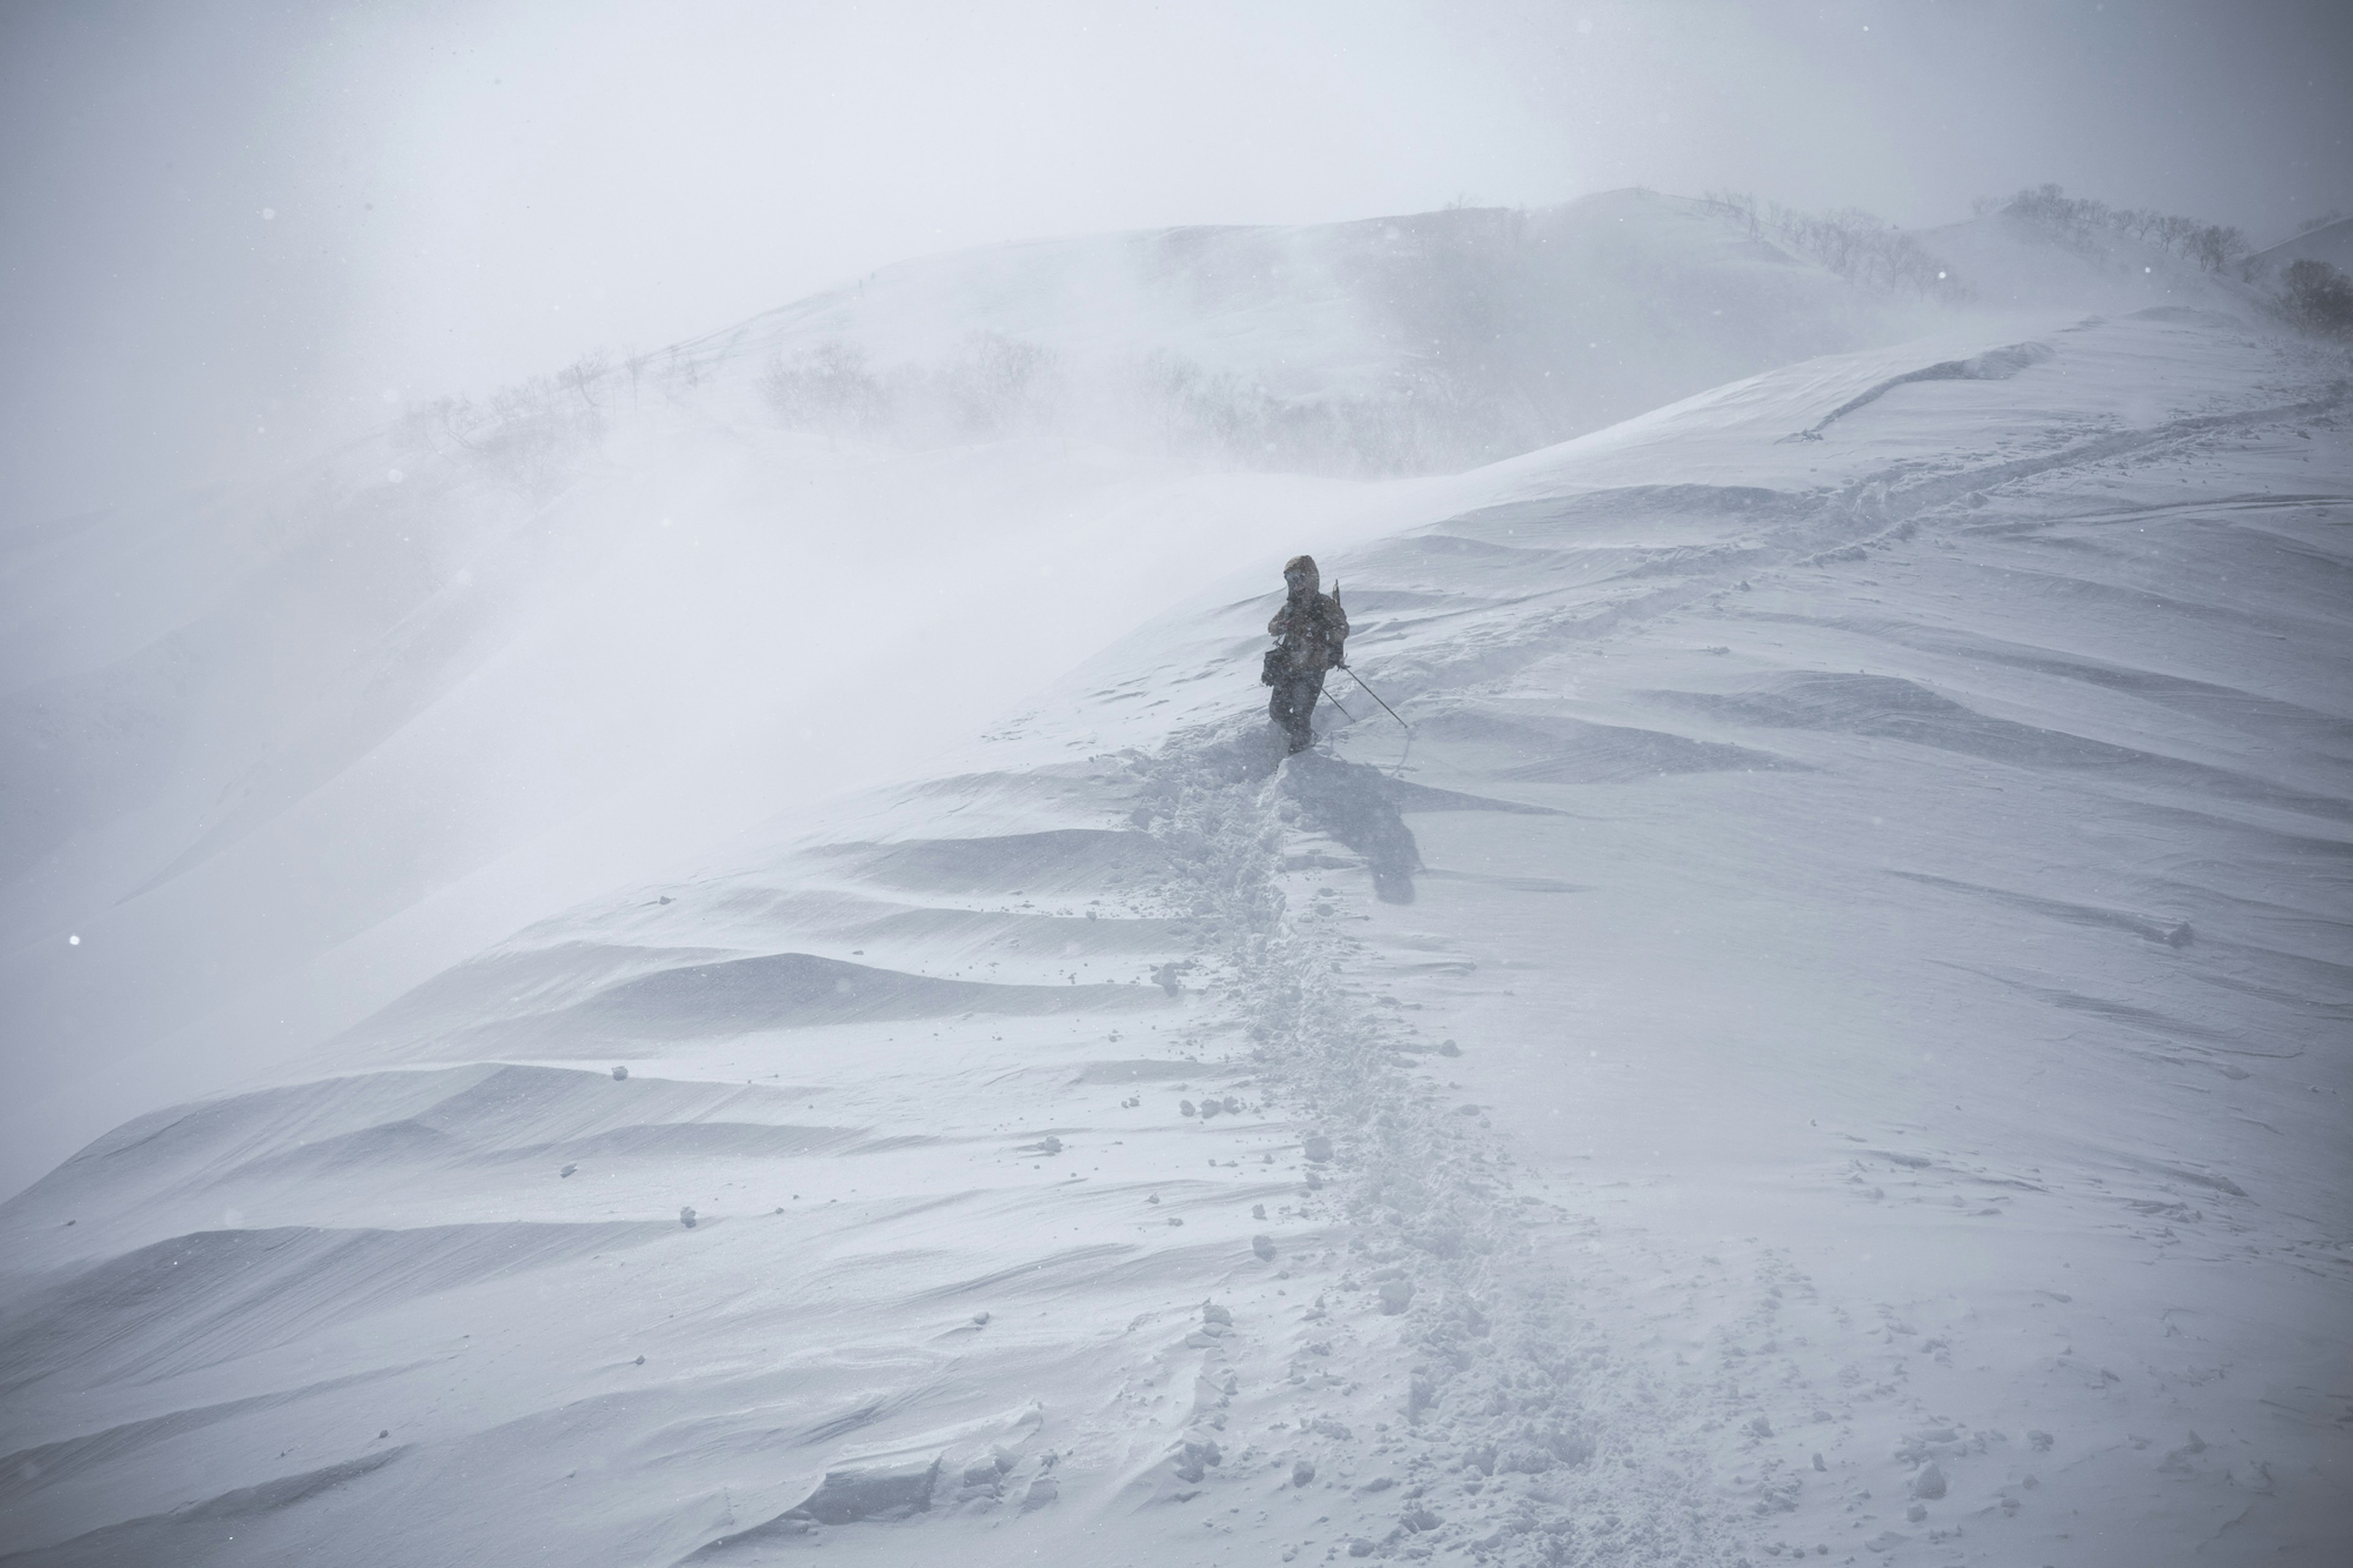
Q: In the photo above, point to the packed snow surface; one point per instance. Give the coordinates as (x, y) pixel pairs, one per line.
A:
(1827, 1039)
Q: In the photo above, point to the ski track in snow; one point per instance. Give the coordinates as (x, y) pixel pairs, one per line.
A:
(1578, 1184)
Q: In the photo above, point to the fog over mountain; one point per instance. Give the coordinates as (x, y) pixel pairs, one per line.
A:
(649, 911)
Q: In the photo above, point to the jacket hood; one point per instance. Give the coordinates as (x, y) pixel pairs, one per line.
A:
(1305, 564)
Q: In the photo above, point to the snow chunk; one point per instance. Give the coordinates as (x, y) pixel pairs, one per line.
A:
(879, 1492)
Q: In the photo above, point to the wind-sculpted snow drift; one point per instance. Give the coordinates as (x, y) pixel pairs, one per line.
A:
(1825, 1041)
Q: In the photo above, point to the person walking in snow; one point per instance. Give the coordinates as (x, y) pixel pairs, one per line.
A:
(1313, 632)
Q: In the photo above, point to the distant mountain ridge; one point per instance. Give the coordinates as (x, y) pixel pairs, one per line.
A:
(1427, 342)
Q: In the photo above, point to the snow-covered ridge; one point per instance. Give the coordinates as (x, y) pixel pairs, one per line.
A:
(276, 752)
(1829, 1037)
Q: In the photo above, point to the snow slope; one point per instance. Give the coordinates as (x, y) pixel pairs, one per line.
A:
(276, 753)
(1830, 1040)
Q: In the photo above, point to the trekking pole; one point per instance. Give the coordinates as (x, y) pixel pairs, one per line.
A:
(1376, 696)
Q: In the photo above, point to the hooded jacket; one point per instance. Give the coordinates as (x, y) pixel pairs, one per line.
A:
(1312, 627)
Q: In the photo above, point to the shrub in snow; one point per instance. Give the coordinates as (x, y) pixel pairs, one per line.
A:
(993, 386)
(828, 387)
(525, 436)
(2074, 219)
(1000, 384)
(1854, 244)
(2318, 297)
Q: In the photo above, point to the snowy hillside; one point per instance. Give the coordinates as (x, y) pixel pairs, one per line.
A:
(1830, 1041)
(274, 755)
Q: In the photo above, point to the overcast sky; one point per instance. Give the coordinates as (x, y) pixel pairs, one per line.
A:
(230, 233)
